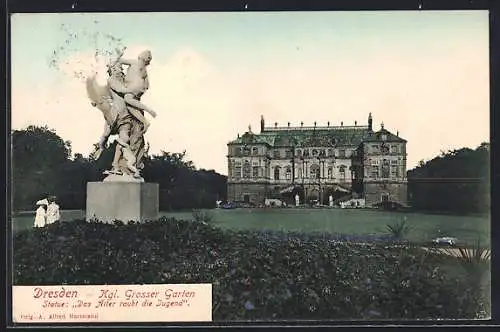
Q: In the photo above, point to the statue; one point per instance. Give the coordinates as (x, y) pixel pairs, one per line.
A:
(330, 199)
(119, 101)
(297, 200)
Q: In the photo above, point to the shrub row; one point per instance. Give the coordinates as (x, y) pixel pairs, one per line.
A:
(255, 275)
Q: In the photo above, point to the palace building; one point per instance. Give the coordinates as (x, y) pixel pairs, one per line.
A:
(316, 162)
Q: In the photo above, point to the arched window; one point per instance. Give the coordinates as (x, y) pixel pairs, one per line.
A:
(247, 169)
(288, 173)
(237, 169)
(342, 172)
(277, 173)
(385, 168)
(255, 171)
(315, 171)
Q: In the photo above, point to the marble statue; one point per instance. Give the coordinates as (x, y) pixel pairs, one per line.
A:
(297, 200)
(330, 200)
(119, 102)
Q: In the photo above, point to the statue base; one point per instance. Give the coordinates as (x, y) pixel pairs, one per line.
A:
(122, 178)
(124, 201)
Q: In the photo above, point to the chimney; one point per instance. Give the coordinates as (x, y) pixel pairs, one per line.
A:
(301, 123)
(262, 123)
(370, 121)
(355, 123)
(328, 124)
(276, 125)
(288, 124)
(341, 123)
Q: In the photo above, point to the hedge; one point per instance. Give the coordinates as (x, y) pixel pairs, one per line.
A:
(255, 275)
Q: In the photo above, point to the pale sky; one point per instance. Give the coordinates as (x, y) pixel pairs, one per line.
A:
(424, 74)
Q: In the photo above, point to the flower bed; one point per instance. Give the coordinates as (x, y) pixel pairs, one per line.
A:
(255, 275)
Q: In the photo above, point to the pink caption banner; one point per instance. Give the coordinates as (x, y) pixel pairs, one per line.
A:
(108, 303)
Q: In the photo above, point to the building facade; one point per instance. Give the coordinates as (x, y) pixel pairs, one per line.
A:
(316, 163)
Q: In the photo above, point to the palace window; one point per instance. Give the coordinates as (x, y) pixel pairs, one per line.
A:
(373, 161)
(374, 171)
(342, 172)
(276, 154)
(300, 172)
(246, 169)
(255, 171)
(237, 171)
(394, 149)
(277, 173)
(394, 162)
(394, 171)
(288, 173)
(237, 151)
(289, 153)
(246, 151)
(299, 153)
(331, 153)
(255, 151)
(342, 153)
(306, 153)
(315, 152)
(330, 172)
(315, 171)
(385, 168)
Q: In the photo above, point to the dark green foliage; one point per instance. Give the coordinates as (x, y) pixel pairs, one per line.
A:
(430, 186)
(398, 230)
(255, 275)
(203, 216)
(41, 166)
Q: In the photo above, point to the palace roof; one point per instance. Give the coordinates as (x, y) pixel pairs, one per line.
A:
(315, 136)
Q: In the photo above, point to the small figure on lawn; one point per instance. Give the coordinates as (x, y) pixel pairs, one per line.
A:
(53, 213)
(41, 213)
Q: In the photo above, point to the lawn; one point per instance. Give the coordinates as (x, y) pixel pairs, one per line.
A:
(339, 221)
(258, 275)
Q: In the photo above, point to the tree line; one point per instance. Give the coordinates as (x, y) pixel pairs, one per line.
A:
(456, 181)
(42, 165)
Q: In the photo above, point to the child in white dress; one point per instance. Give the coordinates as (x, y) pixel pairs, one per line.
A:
(41, 215)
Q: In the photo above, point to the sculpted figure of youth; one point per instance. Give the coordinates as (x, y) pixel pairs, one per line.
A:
(136, 81)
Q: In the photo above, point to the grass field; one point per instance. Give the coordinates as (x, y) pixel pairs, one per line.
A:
(424, 227)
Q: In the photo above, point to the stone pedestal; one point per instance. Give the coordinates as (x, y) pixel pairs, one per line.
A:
(125, 201)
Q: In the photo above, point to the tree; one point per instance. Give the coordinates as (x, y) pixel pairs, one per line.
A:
(455, 181)
(38, 158)
(41, 166)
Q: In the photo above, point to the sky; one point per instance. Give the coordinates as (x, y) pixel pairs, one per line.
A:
(423, 74)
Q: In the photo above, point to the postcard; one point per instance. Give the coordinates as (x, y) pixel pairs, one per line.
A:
(250, 166)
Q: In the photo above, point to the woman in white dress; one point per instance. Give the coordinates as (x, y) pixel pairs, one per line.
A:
(41, 213)
(53, 213)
